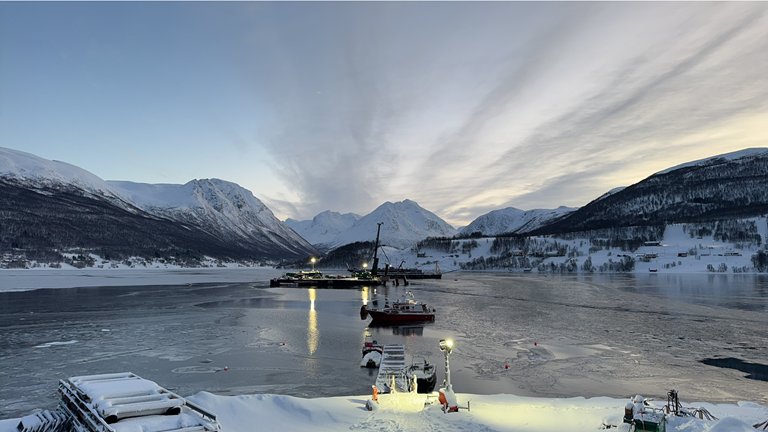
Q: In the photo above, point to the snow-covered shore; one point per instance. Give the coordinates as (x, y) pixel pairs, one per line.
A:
(267, 412)
(39, 278)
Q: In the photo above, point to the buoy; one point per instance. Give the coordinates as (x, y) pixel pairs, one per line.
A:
(411, 334)
(506, 366)
(283, 343)
(226, 368)
(535, 343)
(455, 280)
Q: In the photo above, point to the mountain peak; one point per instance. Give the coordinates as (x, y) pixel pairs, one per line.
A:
(405, 223)
(209, 210)
(513, 220)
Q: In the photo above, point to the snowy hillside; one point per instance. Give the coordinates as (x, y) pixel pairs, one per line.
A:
(733, 246)
(75, 208)
(42, 175)
(220, 207)
(734, 185)
(512, 220)
(717, 159)
(404, 224)
(324, 227)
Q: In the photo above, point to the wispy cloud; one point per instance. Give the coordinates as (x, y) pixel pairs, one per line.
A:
(464, 107)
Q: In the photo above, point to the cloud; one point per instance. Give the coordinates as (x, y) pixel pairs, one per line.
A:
(632, 119)
(467, 108)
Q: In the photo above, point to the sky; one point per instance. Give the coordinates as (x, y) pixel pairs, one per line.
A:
(463, 107)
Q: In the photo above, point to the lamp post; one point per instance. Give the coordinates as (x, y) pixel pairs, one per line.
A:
(365, 266)
(446, 346)
(313, 263)
(446, 396)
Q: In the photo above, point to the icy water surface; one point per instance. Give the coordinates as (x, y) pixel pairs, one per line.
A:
(524, 334)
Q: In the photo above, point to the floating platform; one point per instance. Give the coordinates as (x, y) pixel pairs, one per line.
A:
(316, 279)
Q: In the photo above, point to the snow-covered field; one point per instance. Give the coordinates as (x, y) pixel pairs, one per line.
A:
(421, 413)
(70, 277)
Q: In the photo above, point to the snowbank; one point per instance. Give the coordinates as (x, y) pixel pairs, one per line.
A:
(26, 280)
(487, 412)
(267, 412)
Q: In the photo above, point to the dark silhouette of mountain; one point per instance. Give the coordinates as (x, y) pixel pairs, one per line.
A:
(733, 185)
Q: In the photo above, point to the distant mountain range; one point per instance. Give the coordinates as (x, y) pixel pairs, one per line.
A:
(55, 205)
(512, 220)
(405, 223)
(324, 227)
(52, 206)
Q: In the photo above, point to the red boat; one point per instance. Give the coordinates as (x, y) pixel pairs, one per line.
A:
(404, 310)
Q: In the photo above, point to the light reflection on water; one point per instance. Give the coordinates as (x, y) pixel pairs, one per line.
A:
(313, 334)
(561, 335)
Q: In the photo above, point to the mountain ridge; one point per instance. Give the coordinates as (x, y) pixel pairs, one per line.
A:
(211, 215)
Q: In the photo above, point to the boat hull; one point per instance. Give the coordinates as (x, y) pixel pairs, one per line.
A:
(394, 317)
(416, 276)
(322, 283)
(426, 385)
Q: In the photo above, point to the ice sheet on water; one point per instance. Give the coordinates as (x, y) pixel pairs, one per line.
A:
(50, 344)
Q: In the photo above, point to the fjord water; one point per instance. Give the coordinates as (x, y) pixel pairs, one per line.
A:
(524, 334)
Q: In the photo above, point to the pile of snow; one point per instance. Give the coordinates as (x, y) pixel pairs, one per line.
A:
(423, 413)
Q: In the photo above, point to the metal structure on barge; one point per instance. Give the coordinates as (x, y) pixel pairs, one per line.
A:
(119, 402)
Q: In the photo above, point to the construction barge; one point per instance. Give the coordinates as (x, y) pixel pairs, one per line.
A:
(316, 279)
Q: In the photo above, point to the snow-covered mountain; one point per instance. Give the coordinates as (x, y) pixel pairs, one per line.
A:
(611, 192)
(324, 227)
(219, 207)
(405, 223)
(512, 220)
(732, 185)
(726, 157)
(74, 207)
(47, 176)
